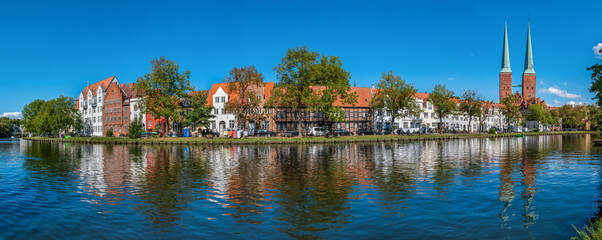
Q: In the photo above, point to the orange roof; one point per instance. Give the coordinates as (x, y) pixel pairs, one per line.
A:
(364, 96)
(94, 87)
(214, 89)
(268, 86)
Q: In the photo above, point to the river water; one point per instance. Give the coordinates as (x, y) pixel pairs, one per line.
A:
(536, 187)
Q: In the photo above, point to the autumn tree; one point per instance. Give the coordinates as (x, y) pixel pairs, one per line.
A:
(163, 87)
(441, 98)
(395, 96)
(244, 84)
(471, 105)
(510, 110)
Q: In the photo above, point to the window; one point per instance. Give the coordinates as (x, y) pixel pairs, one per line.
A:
(267, 111)
(216, 99)
(107, 110)
(118, 100)
(265, 125)
(355, 125)
(150, 124)
(106, 102)
(216, 111)
(108, 119)
(126, 108)
(223, 99)
(118, 118)
(231, 124)
(355, 115)
(223, 111)
(118, 109)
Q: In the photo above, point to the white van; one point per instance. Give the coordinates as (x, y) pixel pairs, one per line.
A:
(316, 131)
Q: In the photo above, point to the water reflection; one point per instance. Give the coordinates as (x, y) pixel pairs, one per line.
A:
(310, 191)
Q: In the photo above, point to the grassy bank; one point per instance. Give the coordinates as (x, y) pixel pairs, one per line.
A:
(284, 140)
(591, 232)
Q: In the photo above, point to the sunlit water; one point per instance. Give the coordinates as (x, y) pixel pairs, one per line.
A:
(507, 188)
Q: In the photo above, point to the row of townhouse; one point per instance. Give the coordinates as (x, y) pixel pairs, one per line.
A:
(108, 105)
(358, 116)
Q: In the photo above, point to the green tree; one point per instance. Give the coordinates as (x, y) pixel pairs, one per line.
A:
(245, 84)
(301, 69)
(5, 129)
(333, 82)
(163, 87)
(109, 133)
(32, 116)
(510, 110)
(201, 111)
(78, 122)
(396, 96)
(471, 105)
(596, 85)
(441, 98)
(538, 113)
(136, 128)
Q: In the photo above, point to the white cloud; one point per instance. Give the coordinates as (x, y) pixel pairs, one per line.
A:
(542, 82)
(597, 51)
(556, 102)
(451, 78)
(561, 93)
(573, 103)
(12, 115)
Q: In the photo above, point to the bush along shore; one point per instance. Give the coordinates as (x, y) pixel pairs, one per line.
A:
(283, 140)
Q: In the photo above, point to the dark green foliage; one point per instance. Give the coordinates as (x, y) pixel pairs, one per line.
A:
(492, 131)
(109, 133)
(135, 128)
(596, 86)
(201, 112)
(471, 106)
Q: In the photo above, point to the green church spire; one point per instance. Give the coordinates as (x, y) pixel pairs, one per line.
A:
(529, 54)
(505, 52)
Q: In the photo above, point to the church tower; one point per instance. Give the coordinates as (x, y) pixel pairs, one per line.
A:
(505, 73)
(529, 81)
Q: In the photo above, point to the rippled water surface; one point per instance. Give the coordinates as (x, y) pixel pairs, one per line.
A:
(513, 188)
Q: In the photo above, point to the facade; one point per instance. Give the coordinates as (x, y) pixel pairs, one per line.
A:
(90, 104)
(263, 117)
(358, 115)
(116, 110)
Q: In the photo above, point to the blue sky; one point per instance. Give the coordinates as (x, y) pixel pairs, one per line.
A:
(49, 49)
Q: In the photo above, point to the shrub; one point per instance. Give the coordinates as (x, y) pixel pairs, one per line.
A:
(109, 133)
(136, 129)
(492, 131)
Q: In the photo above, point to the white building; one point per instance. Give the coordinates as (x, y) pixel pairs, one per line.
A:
(90, 105)
(218, 97)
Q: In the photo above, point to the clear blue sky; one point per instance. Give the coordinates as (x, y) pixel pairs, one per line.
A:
(52, 48)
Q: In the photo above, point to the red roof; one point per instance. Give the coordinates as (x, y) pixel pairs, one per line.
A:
(94, 87)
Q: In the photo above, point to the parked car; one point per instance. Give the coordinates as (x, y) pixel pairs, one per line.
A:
(365, 131)
(342, 132)
(289, 133)
(209, 132)
(264, 133)
(316, 131)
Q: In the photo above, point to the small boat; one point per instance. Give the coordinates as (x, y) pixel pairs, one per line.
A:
(519, 135)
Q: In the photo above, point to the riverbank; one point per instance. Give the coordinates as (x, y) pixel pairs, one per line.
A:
(283, 140)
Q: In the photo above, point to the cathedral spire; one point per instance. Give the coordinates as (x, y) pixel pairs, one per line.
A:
(505, 52)
(529, 54)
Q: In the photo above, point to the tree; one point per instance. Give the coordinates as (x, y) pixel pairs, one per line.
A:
(395, 96)
(32, 116)
(163, 87)
(293, 88)
(5, 129)
(510, 110)
(135, 128)
(333, 82)
(245, 84)
(78, 122)
(471, 106)
(538, 113)
(301, 69)
(201, 111)
(596, 85)
(442, 102)
(482, 116)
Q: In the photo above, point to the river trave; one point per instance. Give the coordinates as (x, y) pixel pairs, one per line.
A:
(536, 187)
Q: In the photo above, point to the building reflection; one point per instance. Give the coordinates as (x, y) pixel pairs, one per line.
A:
(303, 189)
